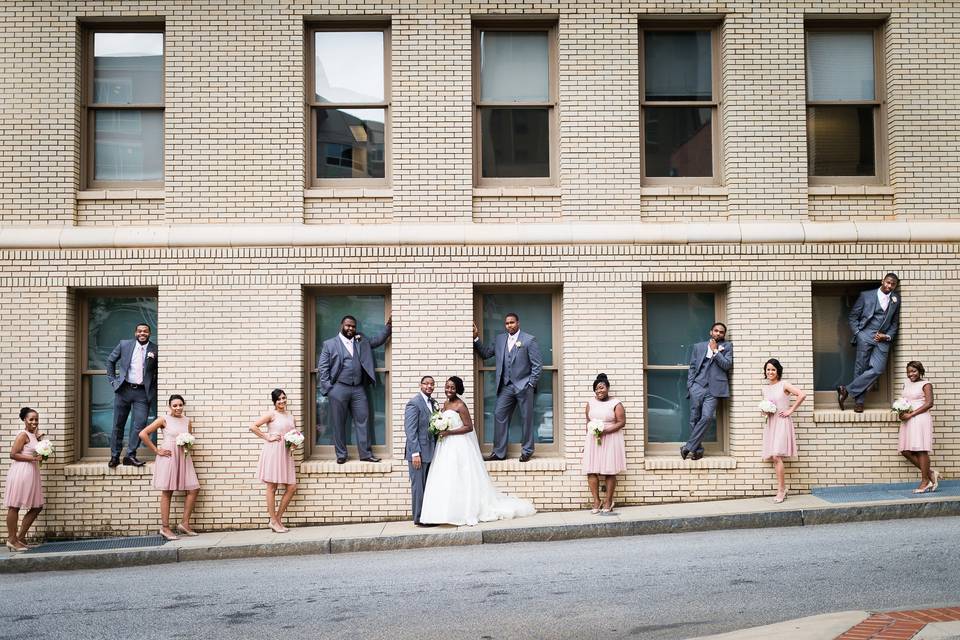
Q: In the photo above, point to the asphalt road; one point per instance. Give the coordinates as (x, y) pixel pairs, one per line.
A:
(667, 586)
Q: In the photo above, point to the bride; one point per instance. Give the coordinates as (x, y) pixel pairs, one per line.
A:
(459, 490)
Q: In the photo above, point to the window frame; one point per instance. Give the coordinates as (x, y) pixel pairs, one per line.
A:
(716, 104)
(312, 351)
(882, 396)
(311, 106)
(879, 102)
(721, 446)
(549, 25)
(89, 109)
(480, 367)
(82, 373)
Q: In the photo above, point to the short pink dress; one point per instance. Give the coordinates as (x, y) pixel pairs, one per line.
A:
(610, 456)
(24, 490)
(174, 473)
(779, 438)
(916, 434)
(276, 459)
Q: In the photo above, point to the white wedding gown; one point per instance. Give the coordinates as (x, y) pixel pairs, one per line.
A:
(459, 489)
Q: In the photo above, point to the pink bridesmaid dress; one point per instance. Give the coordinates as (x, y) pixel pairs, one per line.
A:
(24, 490)
(779, 438)
(176, 472)
(276, 459)
(610, 456)
(916, 434)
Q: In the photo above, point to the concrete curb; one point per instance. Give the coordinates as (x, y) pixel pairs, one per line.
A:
(612, 527)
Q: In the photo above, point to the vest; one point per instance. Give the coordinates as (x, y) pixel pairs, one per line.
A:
(352, 372)
(876, 320)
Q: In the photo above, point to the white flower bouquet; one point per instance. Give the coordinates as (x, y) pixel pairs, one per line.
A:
(595, 427)
(768, 407)
(901, 406)
(44, 449)
(185, 441)
(439, 422)
(293, 439)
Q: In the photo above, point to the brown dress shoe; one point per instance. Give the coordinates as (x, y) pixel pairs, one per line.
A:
(858, 408)
(841, 396)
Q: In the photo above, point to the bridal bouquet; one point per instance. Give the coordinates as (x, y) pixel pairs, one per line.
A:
(44, 449)
(768, 407)
(439, 422)
(292, 439)
(901, 406)
(186, 441)
(595, 427)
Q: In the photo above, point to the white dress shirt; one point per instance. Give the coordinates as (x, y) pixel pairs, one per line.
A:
(426, 401)
(135, 372)
(512, 340)
(347, 343)
(883, 298)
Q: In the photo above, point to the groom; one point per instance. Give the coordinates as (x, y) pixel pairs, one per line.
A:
(420, 443)
(132, 372)
(708, 382)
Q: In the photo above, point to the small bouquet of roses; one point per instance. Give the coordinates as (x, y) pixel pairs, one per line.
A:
(901, 406)
(292, 439)
(768, 407)
(438, 423)
(185, 441)
(44, 449)
(595, 427)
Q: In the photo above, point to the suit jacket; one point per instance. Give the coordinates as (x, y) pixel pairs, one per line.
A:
(416, 424)
(121, 355)
(330, 362)
(718, 368)
(864, 309)
(526, 363)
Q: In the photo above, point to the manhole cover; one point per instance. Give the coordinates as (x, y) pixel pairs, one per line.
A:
(100, 544)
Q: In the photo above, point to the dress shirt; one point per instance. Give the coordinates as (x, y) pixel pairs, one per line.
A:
(512, 340)
(711, 352)
(347, 343)
(883, 298)
(427, 401)
(135, 372)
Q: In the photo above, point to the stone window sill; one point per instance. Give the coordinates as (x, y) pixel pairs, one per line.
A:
(321, 467)
(517, 192)
(850, 190)
(869, 415)
(534, 464)
(702, 190)
(100, 468)
(343, 192)
(121, 194)
(673, 463)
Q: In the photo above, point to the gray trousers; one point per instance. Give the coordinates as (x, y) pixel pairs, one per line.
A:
(418, 482)
(125, 400)
(508, 397)
(703, 408)
(870, 364)
(347, 400)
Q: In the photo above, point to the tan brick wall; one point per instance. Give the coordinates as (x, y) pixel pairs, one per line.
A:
(121, 213)
(850, 208)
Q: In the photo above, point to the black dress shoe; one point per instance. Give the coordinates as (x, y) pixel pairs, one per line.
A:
(841, 396)
(371, 459)
(114, 461)
(491, 457)
(684, 453)
(696, 455)
(341, 460)
(525, 457)
(131, 461)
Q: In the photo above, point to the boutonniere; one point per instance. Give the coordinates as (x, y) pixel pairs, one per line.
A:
(519, 344)
(893, 298)
(151, 354)
(357, 337)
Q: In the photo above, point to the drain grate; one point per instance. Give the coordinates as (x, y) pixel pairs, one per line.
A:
(100, 544)
(872, 492)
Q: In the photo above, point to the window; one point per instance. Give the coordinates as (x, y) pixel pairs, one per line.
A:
(833, 355)
(539, 312)
(680, 89)
(348, 93)
(105, 318)
(845, 110)
(325, 308)
(123, 96)
(514, 97)
(673, 322)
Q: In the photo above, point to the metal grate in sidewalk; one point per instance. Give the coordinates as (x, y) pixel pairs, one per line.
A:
(872, 492)
(99, 544)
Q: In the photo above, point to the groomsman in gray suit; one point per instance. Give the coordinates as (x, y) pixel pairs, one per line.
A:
(874, 320)
(519, 363)
(345, 369)
(420, 443)
(134, 388)
(707, 382)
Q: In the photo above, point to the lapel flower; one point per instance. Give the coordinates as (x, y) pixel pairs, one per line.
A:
(519, 344)
(150, 354)
(893, 298)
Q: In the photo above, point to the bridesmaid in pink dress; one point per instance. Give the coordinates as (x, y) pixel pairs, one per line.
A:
(779, 438)
(24, 490)
(608, 458)
(276, 465)
(173, 468)
(916, 428)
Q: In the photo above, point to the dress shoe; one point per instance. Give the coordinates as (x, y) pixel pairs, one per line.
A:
(114, 461)
(341, 460)
(185, 531)
(166, 536)
(684, 453)
(131, 461)
(696, 455)
(491, 457)
(371, 459)
(858, 408)
(525, 457)
(15, 547)
(841, 396)
(936, 480)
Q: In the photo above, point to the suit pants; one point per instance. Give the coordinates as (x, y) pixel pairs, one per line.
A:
(870, 364)
(703, 408)
(508, 397)
(350, 400)
(125, 400)
(418, 482)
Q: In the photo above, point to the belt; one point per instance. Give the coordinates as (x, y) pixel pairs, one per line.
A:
(133, 386)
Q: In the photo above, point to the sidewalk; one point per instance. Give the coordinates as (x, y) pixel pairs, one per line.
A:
(802, 510)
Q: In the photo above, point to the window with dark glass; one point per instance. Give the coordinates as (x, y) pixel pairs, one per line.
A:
(514, 102)
(325, 309)
(123, 99)
(679, 104)
(349, 98)
(539, 316)
(106, 318)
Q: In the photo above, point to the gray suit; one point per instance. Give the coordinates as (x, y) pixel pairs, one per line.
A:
(127, 396)
(518, 372)
(866, 318)
(707, 382)
(416, 425)
(343, 379)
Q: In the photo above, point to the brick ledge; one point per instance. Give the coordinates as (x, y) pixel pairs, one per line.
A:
(320, 467)
(870, 415)
(534, 464)
(674, 463)
(100, 468)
